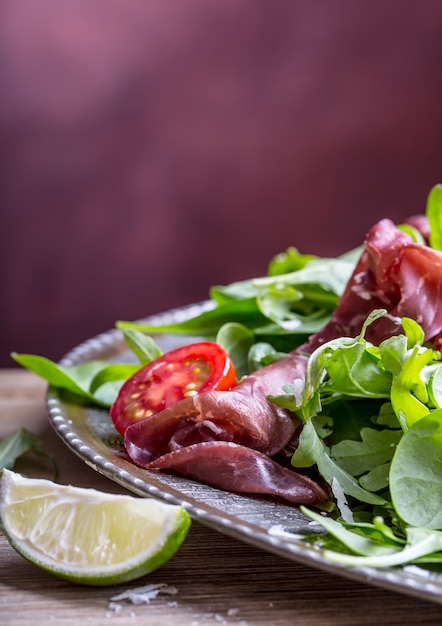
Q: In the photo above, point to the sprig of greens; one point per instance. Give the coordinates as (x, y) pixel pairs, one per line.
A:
(388, 467)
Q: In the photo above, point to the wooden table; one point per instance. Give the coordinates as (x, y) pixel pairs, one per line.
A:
(218, 580)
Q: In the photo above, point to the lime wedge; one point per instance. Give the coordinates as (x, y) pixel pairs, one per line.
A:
(87, 536)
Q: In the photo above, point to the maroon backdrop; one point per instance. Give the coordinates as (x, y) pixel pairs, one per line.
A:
(152, 149)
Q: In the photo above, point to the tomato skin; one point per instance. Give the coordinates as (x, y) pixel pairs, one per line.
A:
(178, 374)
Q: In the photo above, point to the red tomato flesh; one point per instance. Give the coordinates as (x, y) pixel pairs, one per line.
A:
(175, 375)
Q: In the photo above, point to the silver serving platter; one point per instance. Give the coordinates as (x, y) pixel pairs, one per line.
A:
(269, 525)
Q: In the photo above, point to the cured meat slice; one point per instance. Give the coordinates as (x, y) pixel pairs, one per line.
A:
(393, 273)
(236, 468)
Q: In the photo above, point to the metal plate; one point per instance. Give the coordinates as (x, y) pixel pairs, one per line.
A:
(268, 525)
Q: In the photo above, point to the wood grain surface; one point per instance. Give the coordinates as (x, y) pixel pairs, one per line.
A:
(215, 579)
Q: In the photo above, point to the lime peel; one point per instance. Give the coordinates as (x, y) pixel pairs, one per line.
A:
(87, 536)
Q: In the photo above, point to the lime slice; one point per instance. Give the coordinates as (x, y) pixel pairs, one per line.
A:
(87, 536)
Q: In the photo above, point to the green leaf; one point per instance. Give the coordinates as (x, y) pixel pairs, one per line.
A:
(421, 542)
(350, 415)
(377, 478)
(95, 382)
(357, 542)
(376, 447)
(409, 395)
(12, 447)
(208, 322)
(413, 232)
(289, 261)
(238, 290)
(112, 373)
(75, 379)
(236, 339)
(17, 444)
(143, 346)
(312, 450)
(354, 371)
(434, 214)
(262, 353)
(416, 473)
(330, 275)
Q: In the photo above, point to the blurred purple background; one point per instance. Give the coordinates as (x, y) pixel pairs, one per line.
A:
(152, 149)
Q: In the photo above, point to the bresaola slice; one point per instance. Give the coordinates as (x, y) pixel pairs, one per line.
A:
(232, 467)
(393, 273)
(227, 438)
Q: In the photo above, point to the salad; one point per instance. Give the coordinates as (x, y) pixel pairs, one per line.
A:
(319, 384)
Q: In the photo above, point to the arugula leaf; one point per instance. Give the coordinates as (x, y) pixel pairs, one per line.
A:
(361, 543)
(376, 447)
(421, 543)
(312, 450)
(409, 394)
(289, 261)
(355, 371)
(377, 478)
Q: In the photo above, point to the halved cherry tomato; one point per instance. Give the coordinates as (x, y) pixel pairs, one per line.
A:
(175, 375)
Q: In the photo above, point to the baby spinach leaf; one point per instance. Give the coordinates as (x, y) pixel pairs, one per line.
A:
(236, 339)
(12, 447)
(112, 373)
(88, 381)
(262, 353)
(142, 345)
(416, 473)
(75, 379)
(208, 322)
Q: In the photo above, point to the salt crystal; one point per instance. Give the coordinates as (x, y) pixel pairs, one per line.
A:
(116, 608)
(143, 595)
(232, 612)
